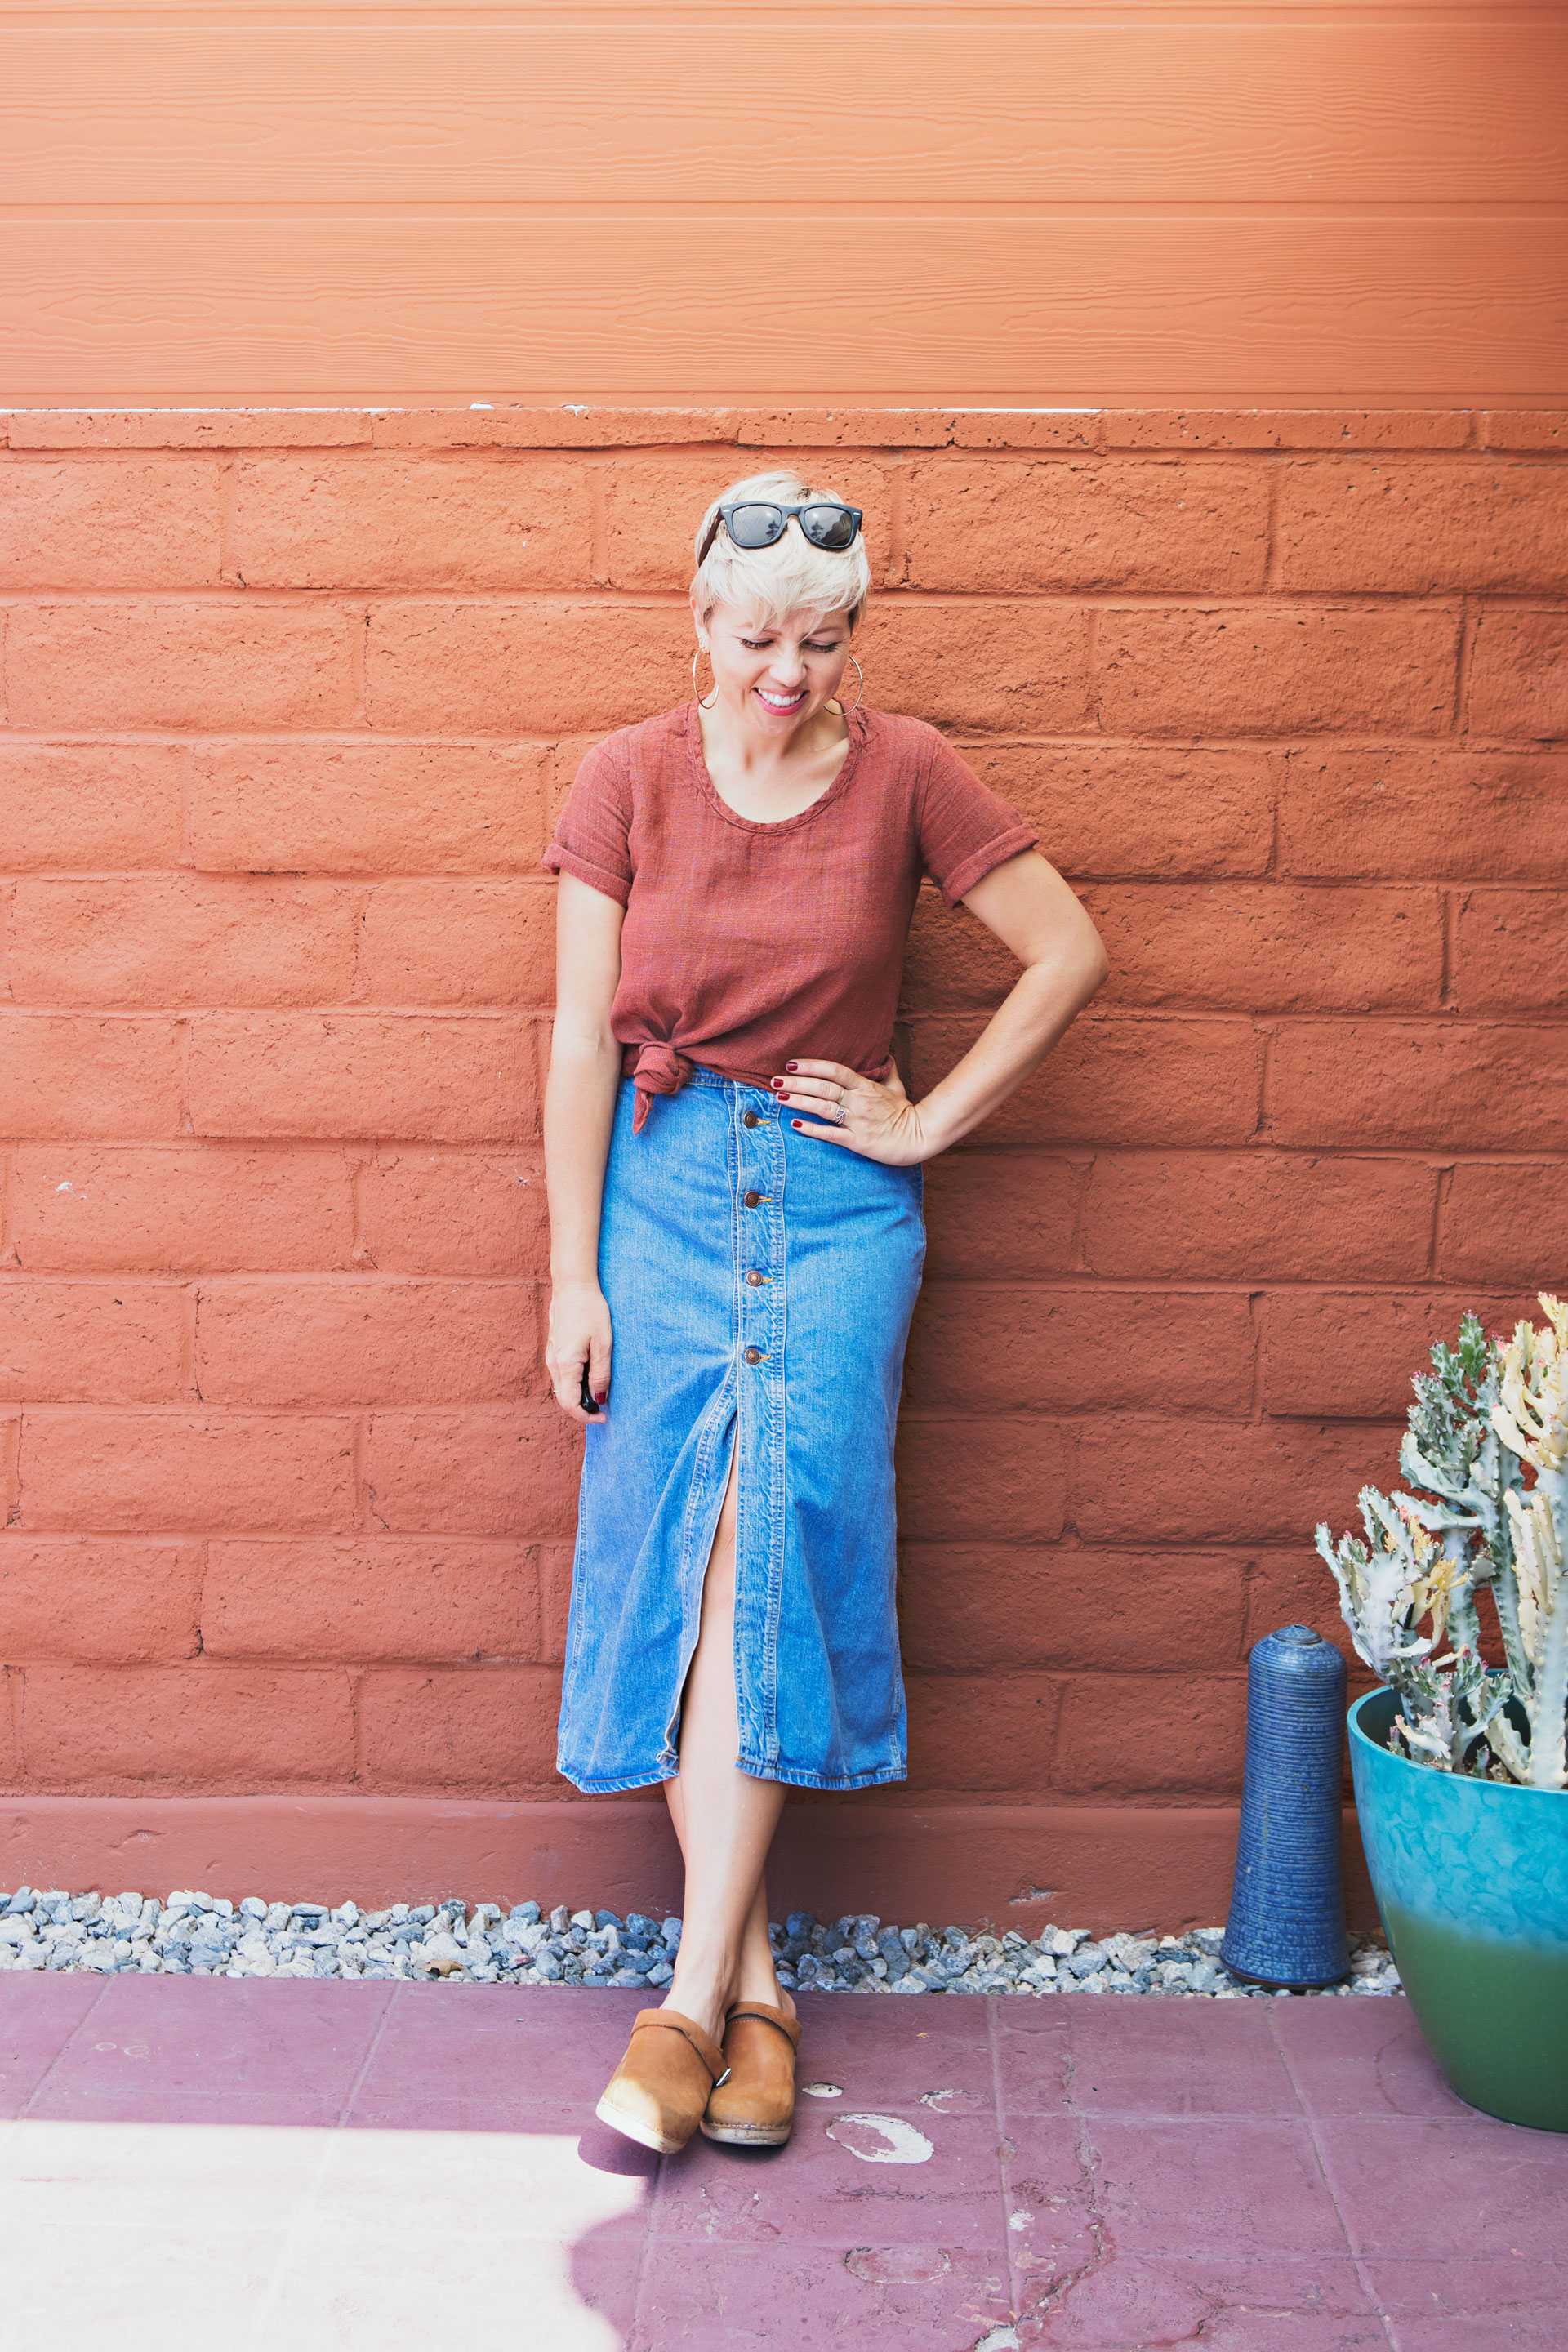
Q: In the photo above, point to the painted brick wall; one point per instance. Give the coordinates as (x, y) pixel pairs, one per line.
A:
(289, 702)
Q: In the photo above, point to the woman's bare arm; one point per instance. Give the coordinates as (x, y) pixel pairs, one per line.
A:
(1028, 907)
(1031, 910)
(579, 1112)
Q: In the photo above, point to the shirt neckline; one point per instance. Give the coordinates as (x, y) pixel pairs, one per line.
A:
(855, 722)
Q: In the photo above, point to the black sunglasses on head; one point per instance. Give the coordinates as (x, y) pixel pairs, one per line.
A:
(753, 522)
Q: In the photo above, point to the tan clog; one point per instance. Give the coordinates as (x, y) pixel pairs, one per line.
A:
(658, 2090)
(752, 2104)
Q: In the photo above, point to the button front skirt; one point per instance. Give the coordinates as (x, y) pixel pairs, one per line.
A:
(760, 1285)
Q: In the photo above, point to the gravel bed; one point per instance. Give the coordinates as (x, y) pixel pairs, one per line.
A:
(192, 1934)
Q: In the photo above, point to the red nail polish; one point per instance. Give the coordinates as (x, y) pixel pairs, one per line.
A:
(792, 1065)
(794, 1122)
(602, 1397)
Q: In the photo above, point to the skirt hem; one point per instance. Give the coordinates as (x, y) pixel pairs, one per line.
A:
(615, 1788)
(789, 1779)
(819, 1781)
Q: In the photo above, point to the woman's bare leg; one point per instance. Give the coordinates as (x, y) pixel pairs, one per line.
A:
(723, 1817)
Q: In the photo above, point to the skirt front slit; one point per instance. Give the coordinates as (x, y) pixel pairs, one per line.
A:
(760, 1285)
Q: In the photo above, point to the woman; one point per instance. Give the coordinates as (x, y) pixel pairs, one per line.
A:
(735, 1202)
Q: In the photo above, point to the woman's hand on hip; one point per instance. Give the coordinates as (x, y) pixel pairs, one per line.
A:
(872, 1116)
(579, 1334)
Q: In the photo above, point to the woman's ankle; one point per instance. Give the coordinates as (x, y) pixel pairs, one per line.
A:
(707, 2004)
(703, 1999)
(763, 1985)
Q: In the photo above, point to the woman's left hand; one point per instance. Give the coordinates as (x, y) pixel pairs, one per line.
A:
(874, 1118)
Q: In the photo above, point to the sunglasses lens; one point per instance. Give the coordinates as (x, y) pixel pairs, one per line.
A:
(831, 527)
(755, 526)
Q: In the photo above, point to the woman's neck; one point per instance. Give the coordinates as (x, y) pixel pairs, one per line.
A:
(767, 780)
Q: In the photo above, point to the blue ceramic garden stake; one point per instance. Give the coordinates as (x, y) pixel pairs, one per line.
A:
(1287, 1923)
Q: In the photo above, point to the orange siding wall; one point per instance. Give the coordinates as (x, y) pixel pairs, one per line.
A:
(290, 700)
(1003, 200)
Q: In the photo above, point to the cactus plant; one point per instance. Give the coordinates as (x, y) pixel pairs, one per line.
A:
(1487, 1411)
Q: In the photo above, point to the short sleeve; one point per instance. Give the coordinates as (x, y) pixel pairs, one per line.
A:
(591, 833)
(965, 830)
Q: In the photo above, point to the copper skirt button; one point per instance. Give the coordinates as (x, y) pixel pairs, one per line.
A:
(751, 1199)
(754, 1277)
(750, 1118)
(753, 1355)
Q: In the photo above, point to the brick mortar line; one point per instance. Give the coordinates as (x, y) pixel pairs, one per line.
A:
(1416, 1155)
(1439, 1211)
(186, 753)
(228, 520)
(1248, 1285)
(897, 1797)
(1431, 741)
(356, 1676)
(1068, 451)
(1431, 1155)
(1471, 616)
(897, 573)
(183, 1026)
(1447, 1016)
(539, 1410)
(964, 735)
(348, 598)
(958, 1015)
(308, 1278)
(1257, 1325)
(598, 527)
(1212, 880)
(1225, 1552)
(1068, 1282)
(344, 878)
(1448, 986)
(358, 663)
(190, 1338)
(366, 879)
(10, 1467)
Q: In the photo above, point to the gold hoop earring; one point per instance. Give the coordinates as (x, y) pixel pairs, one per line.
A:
(700, 704)
(859, 689)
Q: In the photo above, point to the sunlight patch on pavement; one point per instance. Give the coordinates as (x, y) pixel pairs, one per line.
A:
(326, 2240)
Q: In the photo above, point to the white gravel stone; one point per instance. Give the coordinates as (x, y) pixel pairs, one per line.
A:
(191, 1932)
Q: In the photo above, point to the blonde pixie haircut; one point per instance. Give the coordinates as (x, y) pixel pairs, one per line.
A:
(790, 576)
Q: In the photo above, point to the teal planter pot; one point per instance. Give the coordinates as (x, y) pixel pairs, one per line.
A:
(1471, 1877)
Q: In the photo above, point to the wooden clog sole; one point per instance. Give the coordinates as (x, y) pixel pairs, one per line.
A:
(632, 2128)
(747, 2135)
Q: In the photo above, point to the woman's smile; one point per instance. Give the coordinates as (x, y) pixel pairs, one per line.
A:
(773, 700)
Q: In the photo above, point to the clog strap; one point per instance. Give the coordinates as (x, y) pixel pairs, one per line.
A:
(766, 2014)
(713, 2057)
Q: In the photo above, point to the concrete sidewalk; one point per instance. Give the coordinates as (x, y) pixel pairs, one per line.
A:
(316, 2166)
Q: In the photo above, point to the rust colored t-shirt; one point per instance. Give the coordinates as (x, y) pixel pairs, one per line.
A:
(746, 945)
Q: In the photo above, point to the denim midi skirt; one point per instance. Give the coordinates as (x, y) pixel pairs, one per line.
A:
(760, 1285)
